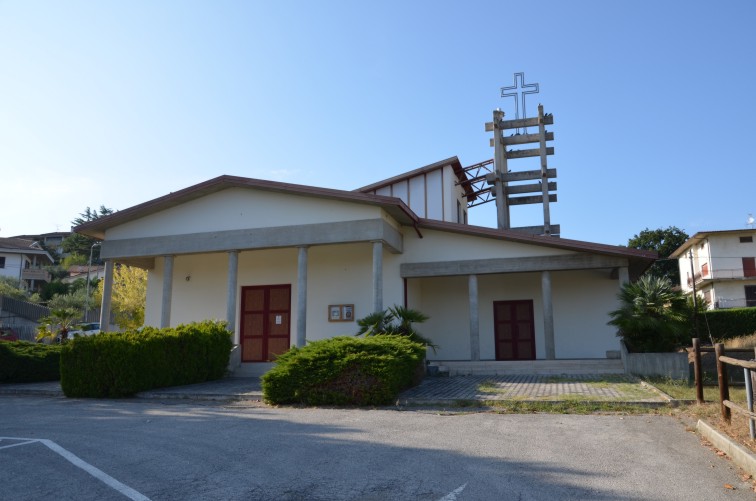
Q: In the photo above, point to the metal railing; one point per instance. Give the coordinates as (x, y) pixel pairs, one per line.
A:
(719, 274)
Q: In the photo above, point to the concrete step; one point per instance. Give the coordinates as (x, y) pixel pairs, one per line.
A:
(545, 367)
(256, 369)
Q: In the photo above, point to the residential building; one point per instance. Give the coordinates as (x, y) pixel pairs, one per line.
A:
(721, 265)
(24, 260)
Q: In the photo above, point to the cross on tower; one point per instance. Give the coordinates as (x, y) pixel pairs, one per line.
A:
(519, 91)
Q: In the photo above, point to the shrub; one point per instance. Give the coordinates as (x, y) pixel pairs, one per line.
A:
(653, 317)
(23, 362)
(729, 323)
(121, 364)
(345, 371)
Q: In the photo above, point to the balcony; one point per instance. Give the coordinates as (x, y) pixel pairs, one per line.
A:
(711, 275)
(35, 274)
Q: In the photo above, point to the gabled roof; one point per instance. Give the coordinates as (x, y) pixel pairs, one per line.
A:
(702, 235)
(22, 246)
(96, 228)
(453, 161)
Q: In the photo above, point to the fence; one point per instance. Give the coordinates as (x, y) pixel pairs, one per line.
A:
(726, 405)
(23, 317)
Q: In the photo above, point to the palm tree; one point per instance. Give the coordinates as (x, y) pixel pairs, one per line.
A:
(56, 325)
(653, 317)
(396, 321)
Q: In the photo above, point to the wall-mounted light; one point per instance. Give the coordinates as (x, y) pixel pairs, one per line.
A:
(188, 277)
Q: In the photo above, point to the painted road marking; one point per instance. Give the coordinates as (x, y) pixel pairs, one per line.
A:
(77, 461)
(452, 496)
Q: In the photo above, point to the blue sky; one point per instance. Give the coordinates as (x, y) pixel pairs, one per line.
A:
(117, 103)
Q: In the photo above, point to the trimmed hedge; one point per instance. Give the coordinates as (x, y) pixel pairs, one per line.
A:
(125, 363)
(345, 371)
(24, 362)
(729, 323)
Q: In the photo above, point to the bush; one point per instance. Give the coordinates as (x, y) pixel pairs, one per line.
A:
(345, 371)
(122, 364)
(729, 323)
(23, 362)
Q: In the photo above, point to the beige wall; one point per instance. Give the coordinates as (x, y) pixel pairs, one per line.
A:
(242, 208)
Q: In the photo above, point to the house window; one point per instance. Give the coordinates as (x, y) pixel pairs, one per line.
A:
(750, 294)
(746, 240)
(707, 297)
(705, 270)
(2, 262)
(459, 212)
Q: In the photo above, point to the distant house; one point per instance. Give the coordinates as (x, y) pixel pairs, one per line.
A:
(24, 260)
(284, 264)
(51, 241)
(77, 272)
(722, 267)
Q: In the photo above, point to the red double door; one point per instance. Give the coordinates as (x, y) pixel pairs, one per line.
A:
(265, 322)
(514, 329)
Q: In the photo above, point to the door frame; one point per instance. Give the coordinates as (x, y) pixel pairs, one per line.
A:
(267, 311)
(513, 303)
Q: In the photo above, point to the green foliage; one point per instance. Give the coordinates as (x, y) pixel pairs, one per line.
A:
(395, 321)
(653, 317)
(729, 323)
(74, 260)
(11, 287)
(74, 300)
(51, 289)
(665, 242)
(22, 362)
(122, 364)
(345, 371)
(55, 326)
(79, 244)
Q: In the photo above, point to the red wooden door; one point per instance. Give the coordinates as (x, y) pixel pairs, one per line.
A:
(265, 321)
(514, 329)
(749, 267)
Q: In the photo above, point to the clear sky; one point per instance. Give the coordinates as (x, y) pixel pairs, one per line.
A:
(117, 103)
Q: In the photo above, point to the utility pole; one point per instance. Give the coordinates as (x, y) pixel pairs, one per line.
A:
(695, 296)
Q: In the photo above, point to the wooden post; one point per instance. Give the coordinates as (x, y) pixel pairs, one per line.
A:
(697, 371)
(724, 389)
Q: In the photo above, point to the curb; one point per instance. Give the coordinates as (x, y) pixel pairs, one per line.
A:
(739, 454)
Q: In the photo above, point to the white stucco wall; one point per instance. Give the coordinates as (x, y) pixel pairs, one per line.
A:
(242, 208)
(14, 263)
(444, 246)
(581, 303)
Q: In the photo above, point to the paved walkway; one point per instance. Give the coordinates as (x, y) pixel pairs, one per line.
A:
(442, 391)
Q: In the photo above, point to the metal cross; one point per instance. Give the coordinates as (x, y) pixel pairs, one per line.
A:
(519, 91)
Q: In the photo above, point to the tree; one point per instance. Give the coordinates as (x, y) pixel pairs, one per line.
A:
(129, 296)
(56, 325)
(665, 242)
(396, 321)
(653, 316)
(79, 244)
(11, 287)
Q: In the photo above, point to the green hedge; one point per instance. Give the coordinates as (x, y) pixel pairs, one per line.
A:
(122, 364)
(345, 371)
(23, 362)
(728, 323)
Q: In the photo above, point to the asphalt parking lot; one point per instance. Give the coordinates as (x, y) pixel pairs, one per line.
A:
(56, 448)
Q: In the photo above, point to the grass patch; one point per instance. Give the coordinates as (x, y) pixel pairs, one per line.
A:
(681, 389)
(600, 389)
(571, 406)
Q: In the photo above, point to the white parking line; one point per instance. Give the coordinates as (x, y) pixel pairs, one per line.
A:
(452, 496)
(76, 461)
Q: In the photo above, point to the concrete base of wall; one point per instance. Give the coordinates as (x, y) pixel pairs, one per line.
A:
(672, 365)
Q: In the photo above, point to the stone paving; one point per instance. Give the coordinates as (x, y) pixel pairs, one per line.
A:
(432, 390)
(532, 388)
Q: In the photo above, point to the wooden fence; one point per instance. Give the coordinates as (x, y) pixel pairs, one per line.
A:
(722, 360)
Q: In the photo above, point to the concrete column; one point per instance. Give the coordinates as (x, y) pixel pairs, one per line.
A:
(548, 315)
(165, 312)
(377, 276)
(231, 285)
(301, 297)
(472, 287)
(624, 275)
(107, 296)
